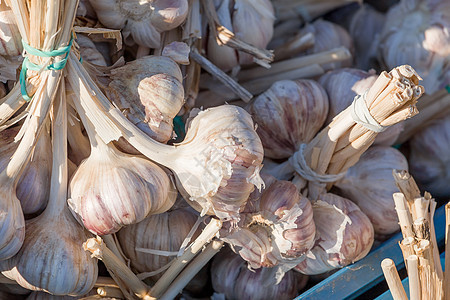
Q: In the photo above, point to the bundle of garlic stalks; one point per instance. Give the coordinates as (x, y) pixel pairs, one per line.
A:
(419, 246)
(125, 178)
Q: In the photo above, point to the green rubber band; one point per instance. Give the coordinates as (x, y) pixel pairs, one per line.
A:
(447, 87)
(28, 65)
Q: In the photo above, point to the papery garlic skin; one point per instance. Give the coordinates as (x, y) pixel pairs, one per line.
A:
(417, 33)
(47, 296)
(276, 229)
(150, 89)
(370, 185)
(165, 232)
(231, 277)
(251, 21)
(89, 52)
(12, 224)
(345, 235)
(111, 189)
(11, 44)
(342, 85)
(141, 21)
(429, 157)
(327, 36)
(38, 264)
(226, 159)
(288, 114)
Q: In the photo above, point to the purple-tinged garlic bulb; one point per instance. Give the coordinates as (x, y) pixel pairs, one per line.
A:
(154, 242)
(251, 21)
(369, 183)
(232, 278)
(288, 114)
(276, 229)
(342, 86)
(51, 258)
(142, 21)
(111, 189)
(429, 157)
(417, 33)
(344, 235)
(151, 92)
(327, 36)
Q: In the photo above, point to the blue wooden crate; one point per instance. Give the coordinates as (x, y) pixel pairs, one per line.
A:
(356, 279)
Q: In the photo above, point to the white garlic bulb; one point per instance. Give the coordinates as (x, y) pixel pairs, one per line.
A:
(251, 21)
(231, 277)
(51, 258)
(288, 114)
(429, 156)
(327, 36)
(416, 33)
(150, 89)
(163, 232)
(141, 21)
(345, 235)
(369, 183)
(276, 229)
(342, 85)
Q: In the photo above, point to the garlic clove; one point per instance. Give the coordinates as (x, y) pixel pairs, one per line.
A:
(327, 36)
(143, 33)
(232, 278)
(109, 13)
(429, 156)
(12, 224)
(370, 185)
(163, 232)
(288, 114)
(223, 57)
(168, 15)
(345, 235)
(151, 90)
(253, 23)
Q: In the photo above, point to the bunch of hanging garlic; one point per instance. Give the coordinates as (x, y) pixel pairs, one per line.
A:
(416, 33)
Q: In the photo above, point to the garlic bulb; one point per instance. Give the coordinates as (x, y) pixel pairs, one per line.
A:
(231, 277)
(342, 86)
(364, 28)
(345, 235)
(34, 183)
(163, 234)
(141, 21)
(54, 238)
(11, 44)
(150, 89)
(111, 189)
(370, 185)
(288, 114)
(416, 32)
(33, 188)
(276, 228)
(89, 52)
(429, 156)
(251, 21)
(327, 36)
